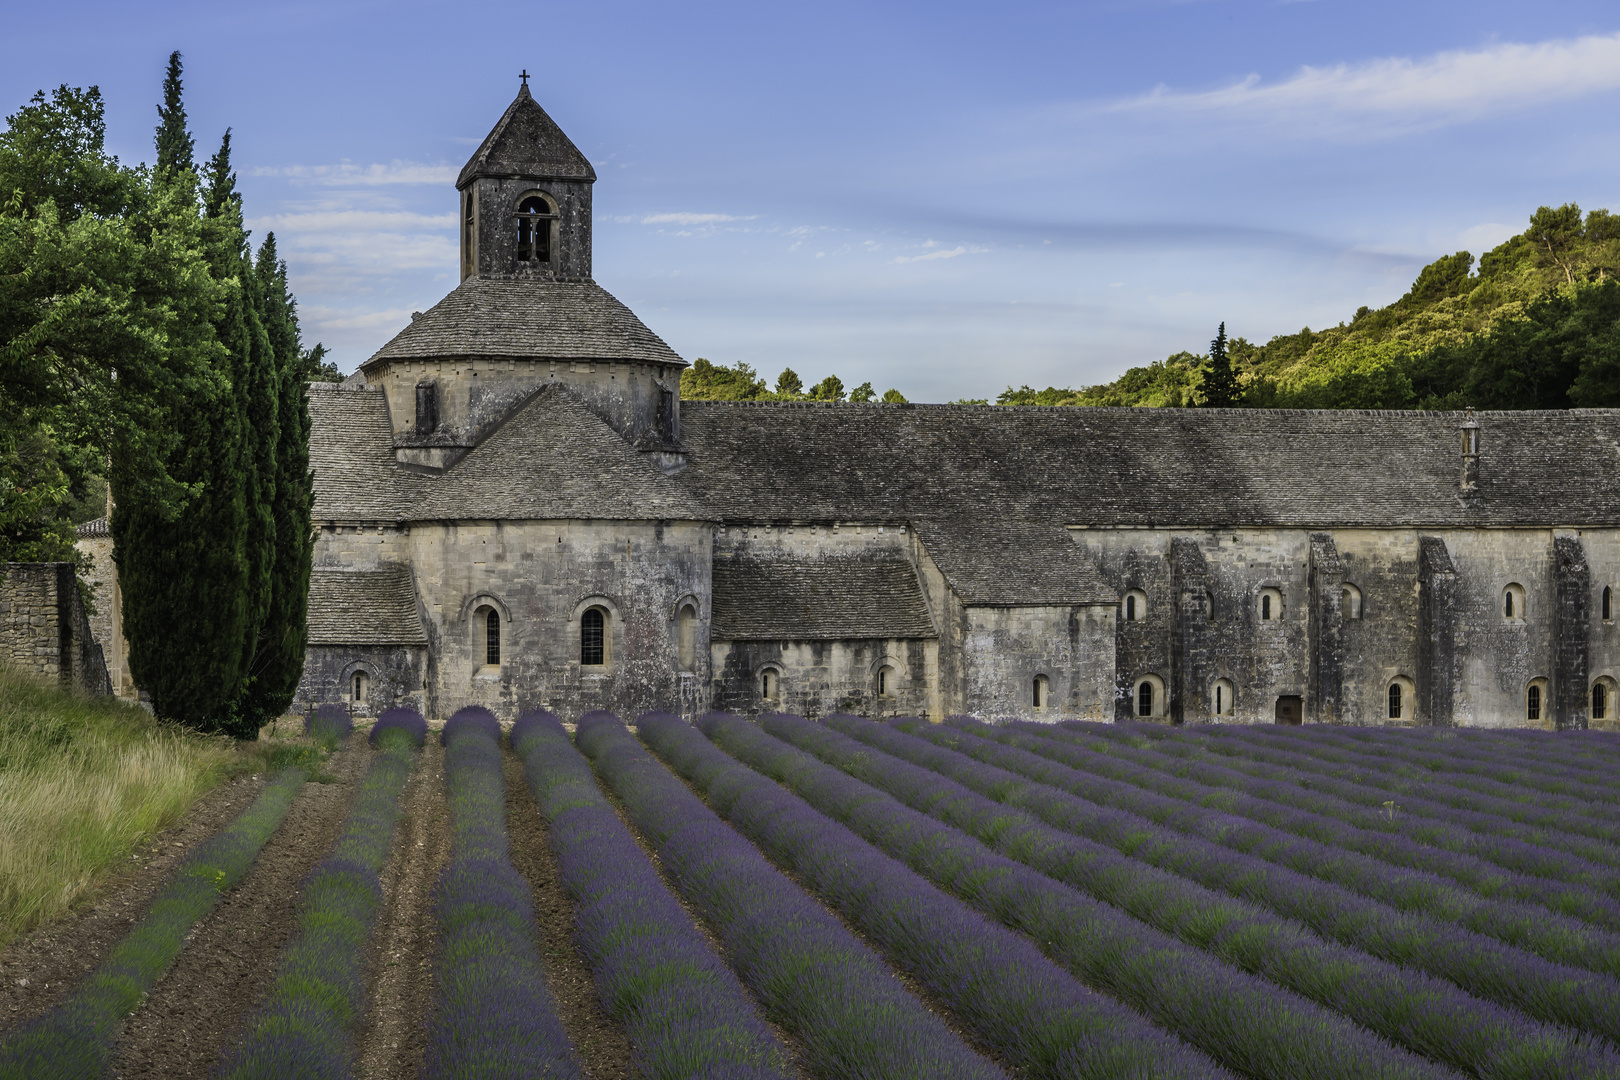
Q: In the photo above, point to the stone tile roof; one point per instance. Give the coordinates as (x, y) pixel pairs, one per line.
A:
(528, 143)
(553, 458)
(364, 607)
(804, 599)
(1325, 469)
(1004, 562)
(556, 320)
(94, 529)
(351, 452)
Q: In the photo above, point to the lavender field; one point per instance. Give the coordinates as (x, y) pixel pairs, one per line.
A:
(781, 898)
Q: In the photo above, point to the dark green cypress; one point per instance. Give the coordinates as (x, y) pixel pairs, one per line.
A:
(279, 660)
(174, 146)
(1220, 384)
(185, 570)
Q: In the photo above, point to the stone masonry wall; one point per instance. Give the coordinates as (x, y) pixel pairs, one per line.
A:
(44, 628)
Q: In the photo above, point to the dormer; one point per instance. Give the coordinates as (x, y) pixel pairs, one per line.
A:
(526, 201)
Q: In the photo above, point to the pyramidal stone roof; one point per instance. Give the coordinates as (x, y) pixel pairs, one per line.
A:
(526, 142)
(558, 320)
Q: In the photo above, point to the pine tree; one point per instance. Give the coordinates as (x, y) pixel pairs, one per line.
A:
(279, 660)
(174, 147)
(1220, 385)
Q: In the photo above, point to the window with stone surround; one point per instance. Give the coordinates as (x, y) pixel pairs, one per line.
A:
(1535, 700)
(1148, 696)
(686, 637)
(1136, 608)
(1400, 699)
(1270, 606)
(770, 684)
(1222, 697)
(1513, 602)
(1351, 602)
(360, 688)
(1042, 694)
(492, 638)
(593, 638)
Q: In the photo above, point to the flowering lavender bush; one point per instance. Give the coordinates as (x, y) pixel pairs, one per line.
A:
(75, 1039)
(1248, 1024)
(1426, 1014)
(852, 1017)
(1298, 811)
(493, 1016)
(1555, 937)
(306, 1029)
(684, 1010)
(407, 721)
(329, 724)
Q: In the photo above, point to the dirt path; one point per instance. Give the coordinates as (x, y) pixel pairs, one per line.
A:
(221, 975)
(38, 970)
(601, 1041)
(394, 1036)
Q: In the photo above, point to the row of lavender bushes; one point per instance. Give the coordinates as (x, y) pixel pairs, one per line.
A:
(851, 1016)
(685, 1011)
(74, 1041)
(329, 724)
(1035, 1015)
(1300, 812)
(1489, 836)
(1424, 787)
(306, 1028)
(1245, 1022)
(1234, 853)
(1424, 1013)
(493, 1015)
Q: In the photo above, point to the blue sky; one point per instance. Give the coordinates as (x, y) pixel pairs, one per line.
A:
(947, 198)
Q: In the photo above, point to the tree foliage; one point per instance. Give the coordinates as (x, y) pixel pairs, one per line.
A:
(706, 381)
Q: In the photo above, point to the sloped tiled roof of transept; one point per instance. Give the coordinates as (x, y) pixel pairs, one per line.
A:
(364, 607)
(828, 597)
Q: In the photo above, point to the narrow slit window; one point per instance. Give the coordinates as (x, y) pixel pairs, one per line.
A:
(1507, 605)
(360, 688)
(492, 638)
(1220, 702)
(1265, 607)
(1041, 692)
(1607, 598)
(1130, 609)
(591, 651)
(769, 684)
(1600, 701)
(1144, 698)
(1533, 704)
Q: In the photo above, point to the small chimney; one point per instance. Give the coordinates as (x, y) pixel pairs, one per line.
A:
(1470, 455)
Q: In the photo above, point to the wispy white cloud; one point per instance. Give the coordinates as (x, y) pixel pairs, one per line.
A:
(348, 174)
(694, 219)
(1402, 93)
(938, 253)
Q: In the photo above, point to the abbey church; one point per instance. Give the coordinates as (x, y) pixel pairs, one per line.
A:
(516, 509)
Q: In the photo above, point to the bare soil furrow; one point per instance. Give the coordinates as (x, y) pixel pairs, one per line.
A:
(182, 1028)
(39, 970)
(601, 1041)
(393, 1039)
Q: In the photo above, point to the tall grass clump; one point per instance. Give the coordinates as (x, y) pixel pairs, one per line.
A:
(494, 1016)
(74, 1041)
(306, 1029)
(686, 1013)
(83, 781)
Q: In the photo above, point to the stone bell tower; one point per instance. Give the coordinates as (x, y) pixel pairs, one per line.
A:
(526, 201)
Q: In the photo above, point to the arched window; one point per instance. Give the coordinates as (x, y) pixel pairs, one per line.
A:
(1607, 608)
(534, 217)
(1395, 702)
(593, 638)
(1130, 608)
(1222, 697)
(1513, 608)
(1042, 692)
(885, 681)
(1600, 701)
(492, 638)
(770, 684)
(1271, 605)
(1136, 606)
(686, 637)
(1351, 607)
(1532, 701)
(360, 688)
(1144, 698)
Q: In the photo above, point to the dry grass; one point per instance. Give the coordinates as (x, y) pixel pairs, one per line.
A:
(83, 781)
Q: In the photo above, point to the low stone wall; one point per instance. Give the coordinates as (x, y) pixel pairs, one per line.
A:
(44, 628)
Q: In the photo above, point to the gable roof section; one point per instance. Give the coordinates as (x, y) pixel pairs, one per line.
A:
(1193, 467)
(364, 607)
(558, 320)
(553, 458)
(526, 142)
(1006, 563)
(351, 452)
(800, 599)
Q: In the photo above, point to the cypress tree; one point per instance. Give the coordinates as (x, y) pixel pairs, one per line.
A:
(1220, 385)
(279, 660)
(185, 570)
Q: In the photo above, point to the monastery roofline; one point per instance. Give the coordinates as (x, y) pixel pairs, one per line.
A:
(1146, 410)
